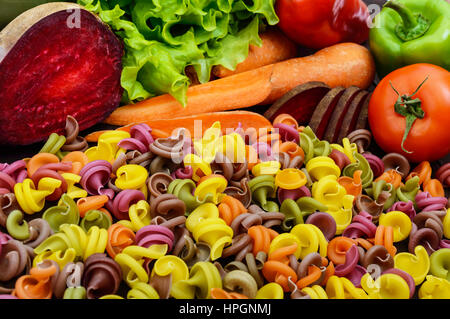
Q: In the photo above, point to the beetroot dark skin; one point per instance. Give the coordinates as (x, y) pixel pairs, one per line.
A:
(53, 71)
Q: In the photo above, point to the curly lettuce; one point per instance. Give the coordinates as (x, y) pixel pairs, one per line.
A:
(163, 37)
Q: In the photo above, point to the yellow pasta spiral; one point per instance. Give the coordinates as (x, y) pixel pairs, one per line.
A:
(206, 226)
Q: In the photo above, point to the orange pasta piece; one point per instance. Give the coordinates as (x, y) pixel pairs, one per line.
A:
(292, 148)
(119, 237)
(251, 156)
(353, 186)
(337, 248)
(91, 202)
(219, 293)
(384, 236)
(392, 177)
(434, 187)
(314, 274)
(262, 237)
(329, 271)
(364, 243)
(205, 177)
(276, 271)
(281, 254)
(271, 138)
(36, 285)
(40, 159)
(78, 160)
(230, 208)
(286, 119)
(423, 170)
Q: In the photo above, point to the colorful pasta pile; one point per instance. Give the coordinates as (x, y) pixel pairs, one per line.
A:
(276, 214)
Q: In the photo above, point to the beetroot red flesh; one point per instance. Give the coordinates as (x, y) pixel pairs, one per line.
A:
(302, 107)
(339, 113)
(300, 102)
(53, 71)
(322, 116)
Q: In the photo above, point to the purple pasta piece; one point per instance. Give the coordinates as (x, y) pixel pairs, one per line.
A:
(425, 202)
(339, 158)
(443, 174)
(95, 176)
(355, 275)
(287, 133)
(444, 243)
(62, 166)
(376, 164)
(183, 172)
(123, 200)
(325, 222)
(7, 183)
(4, 238)
(133, 144)
(361, 226)
(140, 139)
(351, 260)
(264, 151)
(142, 132)
(406, 207)
(155, 234)
(17, 170)
(293, 194)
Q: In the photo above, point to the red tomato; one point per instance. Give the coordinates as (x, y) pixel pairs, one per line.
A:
(429, 137)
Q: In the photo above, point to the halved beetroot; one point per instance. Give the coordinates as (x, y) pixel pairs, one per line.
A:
(349, 122)
(340, 111)
(300, 102)
(363, 117)
(56, 59)
(324, 110)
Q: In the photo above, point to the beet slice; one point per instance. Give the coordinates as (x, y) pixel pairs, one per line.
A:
(349, 122)
(56, 62)
(324, 110)
(363, 117)
(340, 111)
(300, 102)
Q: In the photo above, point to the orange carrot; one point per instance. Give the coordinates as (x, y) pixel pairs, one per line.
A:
(343, 64)
(275, 47)
(250, 121)
(238, 91)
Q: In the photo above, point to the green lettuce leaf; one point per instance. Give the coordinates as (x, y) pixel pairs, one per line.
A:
(163, 37)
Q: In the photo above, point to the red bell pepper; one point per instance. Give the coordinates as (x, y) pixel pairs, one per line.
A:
(320, 23)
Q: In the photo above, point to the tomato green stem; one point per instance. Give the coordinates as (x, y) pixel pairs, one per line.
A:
(410, 108)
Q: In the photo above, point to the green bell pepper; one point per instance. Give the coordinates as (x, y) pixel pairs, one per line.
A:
(411, 31)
